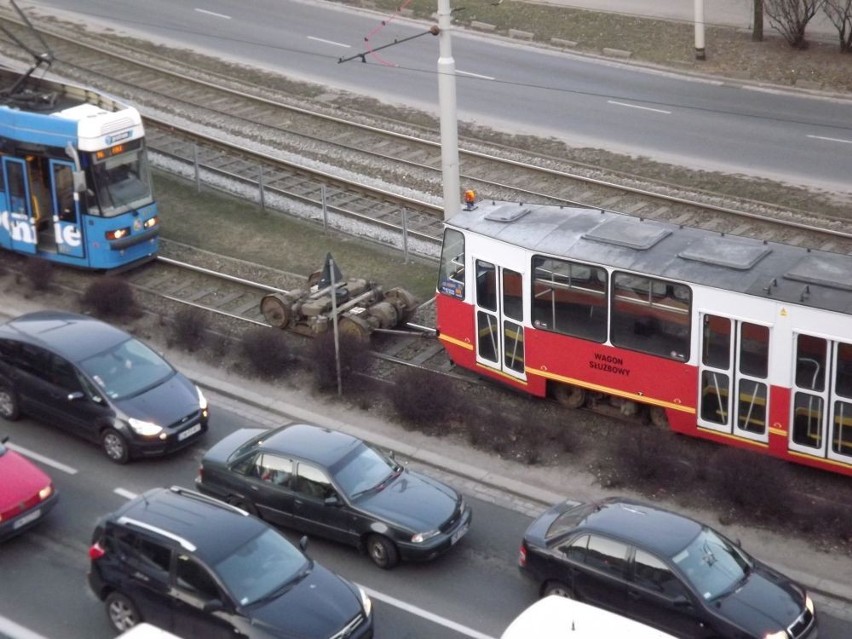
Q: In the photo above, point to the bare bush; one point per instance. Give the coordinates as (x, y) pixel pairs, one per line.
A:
(425, 400)
(790, 18)
(189, 330)
(647, 458)
(353, 355)
(110, 297)
(840, 14)
(754, 487)
(267, 352)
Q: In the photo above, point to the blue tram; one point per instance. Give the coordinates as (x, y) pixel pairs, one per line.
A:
(75, 186)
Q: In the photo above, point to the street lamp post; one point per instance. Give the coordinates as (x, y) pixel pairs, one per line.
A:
(449, 121)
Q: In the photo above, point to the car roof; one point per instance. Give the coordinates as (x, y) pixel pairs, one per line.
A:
(660, 531)
(71, 335)
(311, 443)
(203, 525)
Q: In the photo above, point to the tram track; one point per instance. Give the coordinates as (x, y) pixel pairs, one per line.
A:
(309, 155)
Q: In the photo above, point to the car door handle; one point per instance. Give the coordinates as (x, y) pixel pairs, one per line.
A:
(255, 488)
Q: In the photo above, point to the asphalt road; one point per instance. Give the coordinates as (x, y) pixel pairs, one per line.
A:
(504, 85)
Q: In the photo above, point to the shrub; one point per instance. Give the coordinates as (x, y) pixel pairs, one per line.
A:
(110, 296)
(647, 458)
(266, 352)
(424, 399)
(189, 329)
(354, 359)
(39, 273)
(754, 486)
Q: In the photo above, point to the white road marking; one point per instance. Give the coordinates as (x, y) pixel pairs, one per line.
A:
(420, 612)
(215, 15)
(44, 460)
(820, 137)
(636, 106)
(16, 631)
(121, 492)
(331, 42)
(474, 75)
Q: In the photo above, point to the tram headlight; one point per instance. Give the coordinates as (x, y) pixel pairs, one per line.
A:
(117, 234)
(151, 222)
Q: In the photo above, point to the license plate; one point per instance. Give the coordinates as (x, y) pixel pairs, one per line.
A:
(459, 534)
(189, 432)
(29, 517)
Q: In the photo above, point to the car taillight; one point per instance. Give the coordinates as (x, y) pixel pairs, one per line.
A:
(96, 551)
(200, 473)
(522, 556)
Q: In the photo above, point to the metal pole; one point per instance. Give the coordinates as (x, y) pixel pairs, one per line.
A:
(197, 169)
(405, 234)
(699, 30)
(324, 209)
(260, 189)
(334, 325)
(449, 115)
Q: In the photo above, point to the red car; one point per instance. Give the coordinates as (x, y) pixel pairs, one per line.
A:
(26, 493)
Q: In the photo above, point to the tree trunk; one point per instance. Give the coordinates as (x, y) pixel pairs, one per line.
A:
(757, 28)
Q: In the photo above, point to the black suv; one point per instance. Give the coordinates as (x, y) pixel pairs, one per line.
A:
(199, 567)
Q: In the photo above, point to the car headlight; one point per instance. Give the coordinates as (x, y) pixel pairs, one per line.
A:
(809, 604)
(366, 602)
(146, 429)
(202, 400)
(419, 538)
(781, 634)
(45, 492)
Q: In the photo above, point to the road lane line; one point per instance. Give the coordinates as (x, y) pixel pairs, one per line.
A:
(215, 15)
(331, 42)
(16, 631)
(636, 106)
(820, 137)
(452, 625)
(121, 492)
(474, 75)
(41, 458)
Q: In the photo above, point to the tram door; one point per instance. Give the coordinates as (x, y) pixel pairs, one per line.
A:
(499, 317)
(21, 224)
(821, 411)
(67, 230)
(733, 377)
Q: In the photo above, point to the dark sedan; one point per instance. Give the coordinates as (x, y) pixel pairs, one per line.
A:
(663, 569)
(331, 484)
(99, 382)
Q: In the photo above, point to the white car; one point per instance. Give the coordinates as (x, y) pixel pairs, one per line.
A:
(146, 631)
(556, 617)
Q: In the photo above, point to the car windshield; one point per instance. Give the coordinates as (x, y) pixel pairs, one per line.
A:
(262, 568)
(126, 369)
(712, 565)
(363, 470)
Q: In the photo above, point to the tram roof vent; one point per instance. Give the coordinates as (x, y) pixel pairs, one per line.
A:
(725, 251)
(507, 213)
(827, 270)
(629, 233)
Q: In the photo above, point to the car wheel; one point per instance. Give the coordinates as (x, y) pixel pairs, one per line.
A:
(115, 446)
(10, 409)
(557, 588)
(122, 612)
(246, 505)
(382, 551)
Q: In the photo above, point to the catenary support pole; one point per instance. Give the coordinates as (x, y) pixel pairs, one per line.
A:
(449, 122)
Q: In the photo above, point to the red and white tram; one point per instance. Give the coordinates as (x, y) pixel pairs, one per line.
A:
(736, 340)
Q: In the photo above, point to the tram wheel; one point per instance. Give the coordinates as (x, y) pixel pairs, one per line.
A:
(659, 417)
(569, 396)
(276, 310)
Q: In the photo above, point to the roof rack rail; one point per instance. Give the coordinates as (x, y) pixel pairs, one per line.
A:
(193, 494)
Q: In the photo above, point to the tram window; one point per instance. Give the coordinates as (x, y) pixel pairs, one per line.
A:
(807, 420)
(652, 316)
(717, 342)
(64, 180)
(569, 298)
(451, 272)
(487, 335)
(486, 285)
(754, 350)
(714, 397)
(513, 301)
(843, 383)
(810, 362)
(751, 406)
(513, 346)
(17, 188)
(841, 439)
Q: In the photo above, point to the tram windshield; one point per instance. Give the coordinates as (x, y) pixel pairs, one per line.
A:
(122, 182)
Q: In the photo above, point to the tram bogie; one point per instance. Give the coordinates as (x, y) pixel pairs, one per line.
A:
(743, 342)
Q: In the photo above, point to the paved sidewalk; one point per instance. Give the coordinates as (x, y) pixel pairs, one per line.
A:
(731, 13)
(525, 488)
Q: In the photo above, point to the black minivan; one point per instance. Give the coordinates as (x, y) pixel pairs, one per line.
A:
(98, 382)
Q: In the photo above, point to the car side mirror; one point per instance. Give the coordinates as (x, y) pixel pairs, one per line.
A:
(303, 543)
(73, 397)
(332, 500)
(681, 601)
(212, 605)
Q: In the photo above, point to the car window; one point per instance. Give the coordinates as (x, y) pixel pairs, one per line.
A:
(363, 469)
(712, 565)
(35, 361)
(143, 554)
(577, 549)
(193, 577)
(261, 567)
(569, 519)
(606, 554)
(273, 469)
(64, 375)
(126, 369)
(651, 573)
(312, 482)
